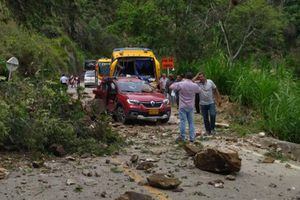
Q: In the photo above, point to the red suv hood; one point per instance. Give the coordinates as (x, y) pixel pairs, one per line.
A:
(145, 97)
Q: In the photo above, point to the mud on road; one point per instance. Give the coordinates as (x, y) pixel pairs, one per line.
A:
(108, 177)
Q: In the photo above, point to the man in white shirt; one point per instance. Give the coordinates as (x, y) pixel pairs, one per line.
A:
(208, 92)
(64, 80)
(163, 82)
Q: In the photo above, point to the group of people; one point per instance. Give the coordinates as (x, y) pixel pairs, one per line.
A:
(73, 81)
(184, 90)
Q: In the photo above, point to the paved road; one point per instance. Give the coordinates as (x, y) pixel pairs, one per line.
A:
(109, 177)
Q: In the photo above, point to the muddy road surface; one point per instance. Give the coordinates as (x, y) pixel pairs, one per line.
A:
(108, 177)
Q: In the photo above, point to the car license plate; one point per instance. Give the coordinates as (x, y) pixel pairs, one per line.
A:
(153, 112)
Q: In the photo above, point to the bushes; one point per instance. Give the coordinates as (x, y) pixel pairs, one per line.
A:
(269, 89)
(34, 115)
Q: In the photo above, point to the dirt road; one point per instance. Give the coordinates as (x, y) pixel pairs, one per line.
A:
(108, 177)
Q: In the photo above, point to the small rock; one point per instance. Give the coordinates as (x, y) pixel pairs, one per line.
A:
(87, 173)
(3, 173)
(103, 194)
(268, 160)
(85, 155)
(107, 161)
(70, 158)
(163, 181)
(134, 158)
(199, 194)
(90, 182)
(273, 185)
(230, 177)
(37, 164)
(217, 183)
(261, 134)
(287, 165)
(145, 166)
(142, 183)
(70, 182)
(134, 196)
(57, 150)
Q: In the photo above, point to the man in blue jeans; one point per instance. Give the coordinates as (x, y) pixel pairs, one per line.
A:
(187, 90)
(208, 92)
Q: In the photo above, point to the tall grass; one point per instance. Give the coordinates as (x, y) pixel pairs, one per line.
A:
(268, 88)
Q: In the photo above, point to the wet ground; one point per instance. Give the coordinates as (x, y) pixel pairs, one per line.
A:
(108, 177)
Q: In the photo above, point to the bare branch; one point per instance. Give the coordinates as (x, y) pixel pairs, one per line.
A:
(226, 39)
(250, 32)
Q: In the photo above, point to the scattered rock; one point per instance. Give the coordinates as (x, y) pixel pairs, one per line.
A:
(103, 194)
(70, 182)
(145, 165)
(37, 164)
(287, 165)
(87, 173)
(90, 182)
(268, 160)
(107, 161)
(200, 194)
(85, 155)
(230, 177)
(273, 185)
(217, 183)
(163, 181)
(70, 158)
(215, 160)
(191, 150)
(134, 158)
(134, 196)
(261, 134)
(3, 173)
(57, 150)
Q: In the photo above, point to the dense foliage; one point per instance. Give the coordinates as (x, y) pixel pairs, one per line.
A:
(37, 114)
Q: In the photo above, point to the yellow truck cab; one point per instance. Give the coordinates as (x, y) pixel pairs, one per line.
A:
(140, 62)
(102, 68)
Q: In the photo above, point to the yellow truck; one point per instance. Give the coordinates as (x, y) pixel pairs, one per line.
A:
(102, 68)
(139, 62)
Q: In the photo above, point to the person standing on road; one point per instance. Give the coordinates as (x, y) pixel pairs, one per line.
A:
(187, 90)
(208, 94)
(162, 83)
(64, 80)
(170, 93)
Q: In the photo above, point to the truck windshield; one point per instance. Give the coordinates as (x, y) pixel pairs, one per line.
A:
(104, 68)
(141, 67)
(134, 87)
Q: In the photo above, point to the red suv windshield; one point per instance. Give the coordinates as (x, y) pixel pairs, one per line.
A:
(134, 87)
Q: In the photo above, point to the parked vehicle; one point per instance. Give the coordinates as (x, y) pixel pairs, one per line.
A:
(132, 98)
(90, 78)
(102, 68)
(140, 62)
(89, 65)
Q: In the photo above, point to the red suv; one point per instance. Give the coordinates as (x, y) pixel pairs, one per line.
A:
(129, 98)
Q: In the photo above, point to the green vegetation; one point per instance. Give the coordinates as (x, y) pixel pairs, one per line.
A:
(36, 114)
(270, 89)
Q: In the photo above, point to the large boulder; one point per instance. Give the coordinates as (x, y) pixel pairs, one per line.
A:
(223, 161)
(134, 196)
(163, 181)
